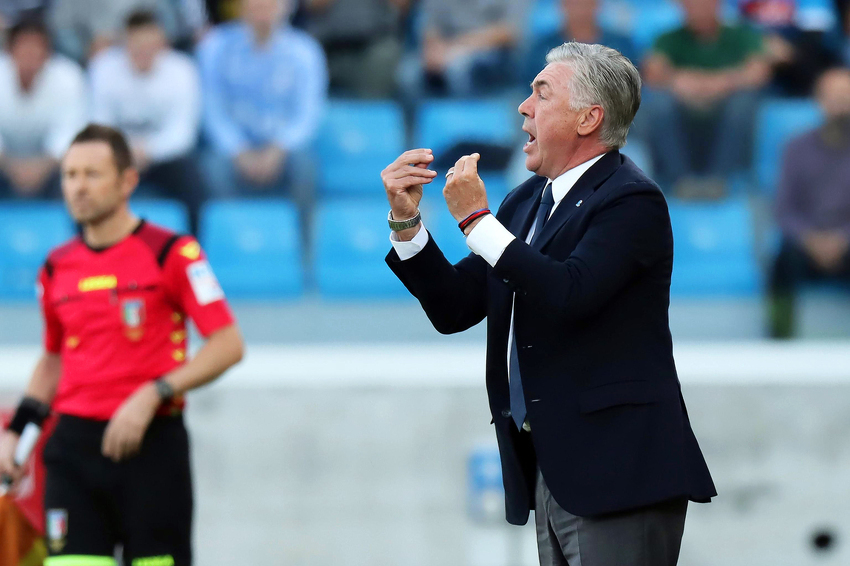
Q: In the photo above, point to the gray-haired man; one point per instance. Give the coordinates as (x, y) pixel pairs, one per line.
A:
(573, 276)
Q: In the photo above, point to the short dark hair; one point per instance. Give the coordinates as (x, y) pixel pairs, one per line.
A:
(25, 26)
(141, 19)
(112, 137)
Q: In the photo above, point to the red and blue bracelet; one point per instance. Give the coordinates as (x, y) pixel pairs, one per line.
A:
(463, 224)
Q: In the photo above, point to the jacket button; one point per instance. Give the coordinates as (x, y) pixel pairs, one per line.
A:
(506, 413)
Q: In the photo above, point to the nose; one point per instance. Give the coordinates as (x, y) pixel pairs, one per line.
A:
(526, 107)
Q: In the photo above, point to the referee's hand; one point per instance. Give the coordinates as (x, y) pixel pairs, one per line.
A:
(126, 430)
(8, 444)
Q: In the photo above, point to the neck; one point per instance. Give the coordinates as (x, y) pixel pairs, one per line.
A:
(581, 156)
(110, 230)
(707, 32)
(26, 81)
(262, 34)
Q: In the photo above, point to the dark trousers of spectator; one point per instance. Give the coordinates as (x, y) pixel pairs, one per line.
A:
(685, 142)
(792, 267)
(50, 190)
(179, 179)
(366, 69)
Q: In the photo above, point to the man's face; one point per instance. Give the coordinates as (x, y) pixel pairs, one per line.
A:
(93, 187)
(144, 44)
(701, 15)
(30, 51)
(833, 93)
(264, 14)
(579, 9)
(550, 122)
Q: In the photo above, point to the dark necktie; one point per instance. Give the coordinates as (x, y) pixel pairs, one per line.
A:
(518, 410)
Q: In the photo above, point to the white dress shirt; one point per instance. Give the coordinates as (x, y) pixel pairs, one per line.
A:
(489, 238)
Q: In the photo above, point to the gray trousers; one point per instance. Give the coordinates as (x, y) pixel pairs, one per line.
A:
(650, 536)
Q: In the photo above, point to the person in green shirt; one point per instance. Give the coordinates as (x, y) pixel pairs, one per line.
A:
(703, 82)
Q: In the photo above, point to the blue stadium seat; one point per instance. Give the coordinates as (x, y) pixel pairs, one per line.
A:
(654, 19)
(778, 122)
(442, 123)
(357, 141)
(352, 239)
(28, 231)
(714, 249)
(254, 247)
(169, 214)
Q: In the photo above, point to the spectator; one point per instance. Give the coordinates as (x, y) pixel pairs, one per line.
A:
(699, 112)
(580, 23)
(42, 106)
(813, 204)
(361, 41)
(265, 86)
(83, 28)
(14, 11)
(152, 93)
(798, 56)
(466, 46)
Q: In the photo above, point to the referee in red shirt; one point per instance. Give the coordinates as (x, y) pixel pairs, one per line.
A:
(115, 301)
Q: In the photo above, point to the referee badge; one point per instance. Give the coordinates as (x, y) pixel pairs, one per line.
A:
(56, 529)
(133, 316)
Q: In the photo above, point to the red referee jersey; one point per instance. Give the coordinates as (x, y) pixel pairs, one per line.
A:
(117, 316)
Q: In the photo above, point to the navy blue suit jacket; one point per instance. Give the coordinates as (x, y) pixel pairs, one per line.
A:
(609, 428)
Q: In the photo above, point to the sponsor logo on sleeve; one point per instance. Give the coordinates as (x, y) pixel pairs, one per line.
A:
(191, 251)
(56, 528)
(204, 283)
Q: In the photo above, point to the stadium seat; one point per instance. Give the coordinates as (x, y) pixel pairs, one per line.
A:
(714, 249)
(28, 231)
(779, 121)
(443, 123)
(254, 247)
(352, 239)
(357, 141)
(654, 19)
(169, 214)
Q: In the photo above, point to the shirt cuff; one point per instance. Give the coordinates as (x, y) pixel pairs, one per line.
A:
(489, 239)
(407, 250)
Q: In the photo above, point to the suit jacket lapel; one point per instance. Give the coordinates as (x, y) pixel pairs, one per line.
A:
(580, 192)
(526, 211)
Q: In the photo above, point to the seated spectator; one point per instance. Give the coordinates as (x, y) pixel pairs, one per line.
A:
(798, 56)
(42, 106)
(152, 93)
(466, 47)
(699, 111)
(83, 28)
(580, 23)
(361, 41)
(265, 86)
(813, 204)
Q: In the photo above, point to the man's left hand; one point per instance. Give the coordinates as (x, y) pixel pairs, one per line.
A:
(464, 191)
(126, 430)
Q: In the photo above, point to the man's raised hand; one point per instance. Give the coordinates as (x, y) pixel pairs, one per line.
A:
(403, 180)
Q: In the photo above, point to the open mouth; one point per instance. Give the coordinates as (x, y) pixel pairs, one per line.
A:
(530, 142)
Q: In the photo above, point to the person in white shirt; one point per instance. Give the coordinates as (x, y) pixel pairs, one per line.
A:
(42, 106)
(152, 93)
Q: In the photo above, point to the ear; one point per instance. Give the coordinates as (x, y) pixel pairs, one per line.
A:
(591, 120)
(129, 181)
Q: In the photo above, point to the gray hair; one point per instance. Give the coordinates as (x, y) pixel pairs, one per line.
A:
(602, 76)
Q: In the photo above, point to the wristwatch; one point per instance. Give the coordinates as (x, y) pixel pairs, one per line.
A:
(399, 225)
(164, 390)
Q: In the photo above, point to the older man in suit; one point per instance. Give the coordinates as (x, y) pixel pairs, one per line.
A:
(573, 276)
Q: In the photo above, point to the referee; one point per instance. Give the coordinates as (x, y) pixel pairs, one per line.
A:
(115, 301)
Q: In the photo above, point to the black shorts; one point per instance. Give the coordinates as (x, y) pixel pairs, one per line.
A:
(143, 504)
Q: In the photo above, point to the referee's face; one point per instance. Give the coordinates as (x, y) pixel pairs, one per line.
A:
(93, 187)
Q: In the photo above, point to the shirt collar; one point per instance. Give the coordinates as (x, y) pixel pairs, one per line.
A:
(567, 180)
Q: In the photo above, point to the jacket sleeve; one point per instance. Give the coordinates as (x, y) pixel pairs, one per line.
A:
(628, 234)
(454, 297)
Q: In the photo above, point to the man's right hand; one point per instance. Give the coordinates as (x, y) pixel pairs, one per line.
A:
(8, 445)
(827, 249)
(403, 180)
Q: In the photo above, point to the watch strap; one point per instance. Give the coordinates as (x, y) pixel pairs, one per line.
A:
(399, 225)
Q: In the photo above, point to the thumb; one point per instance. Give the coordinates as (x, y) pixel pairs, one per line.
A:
(474, 162)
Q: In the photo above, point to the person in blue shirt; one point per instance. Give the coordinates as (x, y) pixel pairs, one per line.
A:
(265, 87)
(579, 23)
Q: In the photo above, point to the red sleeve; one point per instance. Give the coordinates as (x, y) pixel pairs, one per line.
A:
(52, 327)
(194, 287)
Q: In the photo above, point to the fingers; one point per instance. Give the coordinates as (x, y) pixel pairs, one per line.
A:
(465, 167)
(415, 156)
(410, 171)
(406, 182)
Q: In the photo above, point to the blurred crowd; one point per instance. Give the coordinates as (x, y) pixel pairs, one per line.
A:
(224, 98)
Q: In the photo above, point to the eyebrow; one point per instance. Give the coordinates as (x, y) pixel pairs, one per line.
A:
(540, 83)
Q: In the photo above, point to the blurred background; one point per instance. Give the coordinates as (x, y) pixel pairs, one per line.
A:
(353, 433)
